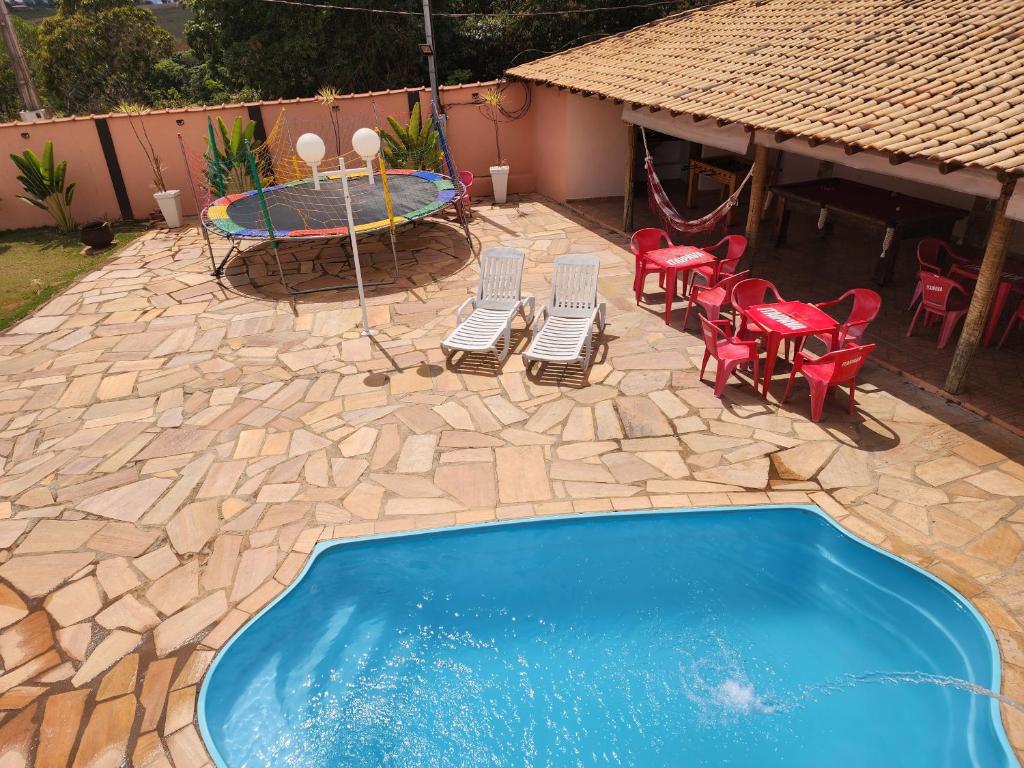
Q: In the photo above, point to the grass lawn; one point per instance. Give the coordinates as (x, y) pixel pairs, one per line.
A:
(35, 264)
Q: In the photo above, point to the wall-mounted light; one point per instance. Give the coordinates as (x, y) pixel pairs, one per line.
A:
(180, 121)
(426, 49)
(25, 135)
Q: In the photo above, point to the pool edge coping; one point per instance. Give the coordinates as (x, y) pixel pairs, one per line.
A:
(814, 509)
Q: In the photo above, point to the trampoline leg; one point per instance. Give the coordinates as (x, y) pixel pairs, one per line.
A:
(280, 268)
(394, 253)
(218, 269)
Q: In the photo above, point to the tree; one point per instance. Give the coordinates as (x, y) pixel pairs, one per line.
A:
(288, 51)
(94, 54)
(182, 80)
(283, 51)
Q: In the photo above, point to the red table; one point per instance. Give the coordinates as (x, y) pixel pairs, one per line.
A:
(787, 320)
(1012, 279)
(676, 259)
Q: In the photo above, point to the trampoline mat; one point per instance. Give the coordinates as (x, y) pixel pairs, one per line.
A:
(299, 210)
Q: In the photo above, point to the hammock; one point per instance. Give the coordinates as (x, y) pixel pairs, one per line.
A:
(670, 217)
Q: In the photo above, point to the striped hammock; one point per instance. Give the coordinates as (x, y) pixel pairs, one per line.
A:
(662, 207)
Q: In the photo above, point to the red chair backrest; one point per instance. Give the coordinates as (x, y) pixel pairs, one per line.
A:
(466, 177)
(845, 363)
(866, 306)
(711, 334)
(937, 291)
(728, 283)
(735, 245)
(928, 254)
(753, 291)
(649, 239)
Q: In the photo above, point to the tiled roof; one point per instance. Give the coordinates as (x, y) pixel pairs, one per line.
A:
(935, 79)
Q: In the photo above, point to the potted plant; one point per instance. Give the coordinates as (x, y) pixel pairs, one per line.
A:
(169, 200)
(415, 145)
(45, 185)
(97, 234)
(491, 107)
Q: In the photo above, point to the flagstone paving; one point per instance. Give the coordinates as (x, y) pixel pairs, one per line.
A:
(171, 449)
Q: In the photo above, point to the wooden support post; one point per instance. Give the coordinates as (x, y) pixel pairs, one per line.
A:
(977, 222)
(629, 192)
(988, 280)
(758, 191)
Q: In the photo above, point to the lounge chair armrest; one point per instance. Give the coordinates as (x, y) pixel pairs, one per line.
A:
(471, 301)
(538, 319)
(528, 307)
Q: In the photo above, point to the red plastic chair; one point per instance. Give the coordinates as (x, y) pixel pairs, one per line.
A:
(642, 241)
(866, 305)
(735, 245)
(825, 373)
(714, 299)
(929, 254)
(941, 298)
(1016, 319)
(466, 177)
(746, 294)
(729, 352)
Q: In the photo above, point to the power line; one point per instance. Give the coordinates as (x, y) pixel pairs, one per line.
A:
(450, 15)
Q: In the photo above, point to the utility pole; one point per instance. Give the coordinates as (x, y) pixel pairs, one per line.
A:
(430, 52)
(22, 77)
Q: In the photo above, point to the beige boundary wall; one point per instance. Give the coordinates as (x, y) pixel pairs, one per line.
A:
(78, 140)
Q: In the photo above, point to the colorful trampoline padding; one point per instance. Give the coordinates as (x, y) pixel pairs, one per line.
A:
(298, 210)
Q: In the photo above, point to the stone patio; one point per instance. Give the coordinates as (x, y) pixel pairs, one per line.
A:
(171, 449)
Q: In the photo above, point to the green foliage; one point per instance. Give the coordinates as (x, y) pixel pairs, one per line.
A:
(45, 185)
(228, 157)
(415, 145)
(283, 51)
(182, 80)
(95, 54)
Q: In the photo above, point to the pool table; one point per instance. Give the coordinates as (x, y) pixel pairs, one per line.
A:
(898, 214)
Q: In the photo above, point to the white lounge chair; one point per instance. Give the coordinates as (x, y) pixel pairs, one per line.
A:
(561, 332)
(498, 298)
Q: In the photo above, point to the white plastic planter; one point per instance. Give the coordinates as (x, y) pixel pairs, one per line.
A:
(499, 180)
(170, 206)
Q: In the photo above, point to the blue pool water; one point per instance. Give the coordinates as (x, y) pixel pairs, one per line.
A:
(708, 638)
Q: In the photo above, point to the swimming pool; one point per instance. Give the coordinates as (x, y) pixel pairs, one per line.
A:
(742, 637)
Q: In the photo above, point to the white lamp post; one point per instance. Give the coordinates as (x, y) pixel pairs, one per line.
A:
(311, 149)
(366, 143)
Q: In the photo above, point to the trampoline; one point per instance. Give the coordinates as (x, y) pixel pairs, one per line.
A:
(297, 210)
(266, 192)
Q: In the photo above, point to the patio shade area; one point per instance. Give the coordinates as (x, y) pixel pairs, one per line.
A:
(810, 267)
(173, 447)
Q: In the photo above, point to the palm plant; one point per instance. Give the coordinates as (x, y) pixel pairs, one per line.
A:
(415, 145)
(228, 155)
(45, 185)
